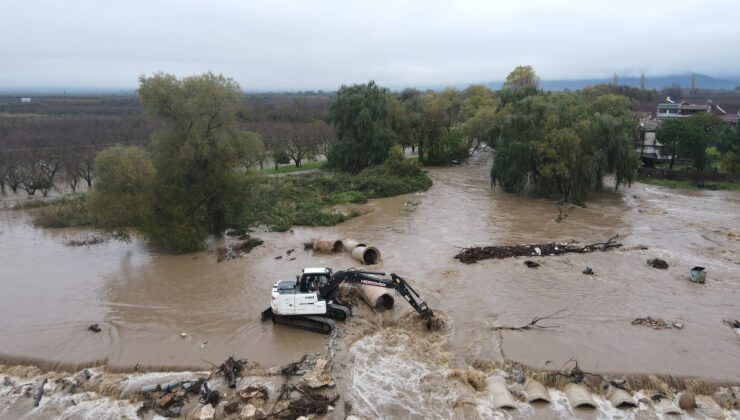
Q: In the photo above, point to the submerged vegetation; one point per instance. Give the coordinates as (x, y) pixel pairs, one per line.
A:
(67, 211)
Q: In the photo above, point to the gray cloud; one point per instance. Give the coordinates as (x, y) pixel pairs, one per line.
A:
(285, 44)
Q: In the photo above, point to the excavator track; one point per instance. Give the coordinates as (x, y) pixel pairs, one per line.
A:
(317, 324)
(338, 312)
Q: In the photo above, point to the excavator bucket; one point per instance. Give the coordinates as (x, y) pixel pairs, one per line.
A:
(434, 324)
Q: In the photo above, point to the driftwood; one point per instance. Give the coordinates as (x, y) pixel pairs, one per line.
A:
(311, 404)
(474, 254)
(232, 368)
(293, 368)
(39, 393)
(534, 323)
(209, 396)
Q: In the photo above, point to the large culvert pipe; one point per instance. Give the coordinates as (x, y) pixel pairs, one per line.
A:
(327, 245)
(351, 244)
(366, 254)
(377, 297)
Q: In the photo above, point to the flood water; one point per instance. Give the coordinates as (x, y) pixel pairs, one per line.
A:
(144, 299)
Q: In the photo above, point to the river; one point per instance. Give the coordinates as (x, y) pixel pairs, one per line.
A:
(144, 300)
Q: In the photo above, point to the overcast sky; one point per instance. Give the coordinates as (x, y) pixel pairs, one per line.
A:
(321, 44)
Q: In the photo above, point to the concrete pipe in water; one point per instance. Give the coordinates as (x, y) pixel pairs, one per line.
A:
(377, 297)
(366, 254)
(351, 244)
(327, 245)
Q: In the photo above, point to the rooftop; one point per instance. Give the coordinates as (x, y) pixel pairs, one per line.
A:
(315, 270)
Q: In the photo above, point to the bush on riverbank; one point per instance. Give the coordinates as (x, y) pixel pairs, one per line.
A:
(306, 200)
(66, 211)
(277, 202)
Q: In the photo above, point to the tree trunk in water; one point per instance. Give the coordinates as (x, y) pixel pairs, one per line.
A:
(218, 219)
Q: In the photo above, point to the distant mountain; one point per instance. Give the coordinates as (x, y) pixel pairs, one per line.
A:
(684, 80)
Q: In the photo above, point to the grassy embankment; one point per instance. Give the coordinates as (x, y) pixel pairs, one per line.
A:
(684, 176)
(276, 202)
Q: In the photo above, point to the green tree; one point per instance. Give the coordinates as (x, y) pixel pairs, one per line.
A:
(195, 154)
(364, 127)
(729, 146)
(564, 145)
(522, 77)
(410, 118)
(440, 141)
(280, 157)
(123, 193)
(669, 134)
(693, 145)
(712, 125)
(250, 149)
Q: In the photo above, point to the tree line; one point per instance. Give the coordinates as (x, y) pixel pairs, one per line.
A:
(38, 152)
(563, 144)
(691, 138)
(184, 176)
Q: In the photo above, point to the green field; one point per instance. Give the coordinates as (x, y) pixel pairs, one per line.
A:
(692, 185)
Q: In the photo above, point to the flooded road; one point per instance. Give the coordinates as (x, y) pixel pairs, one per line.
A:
(144, 299)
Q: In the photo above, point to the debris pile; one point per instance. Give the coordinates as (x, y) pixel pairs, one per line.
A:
(475, 254)
(236, 249)
(658, 263)
(86, 241)
(656, 323)
(232, 368)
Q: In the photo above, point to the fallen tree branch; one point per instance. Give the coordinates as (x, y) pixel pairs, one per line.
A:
(39, 393)
(534, 323)
(474, 254)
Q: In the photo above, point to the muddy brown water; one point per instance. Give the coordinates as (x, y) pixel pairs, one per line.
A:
(144, 299)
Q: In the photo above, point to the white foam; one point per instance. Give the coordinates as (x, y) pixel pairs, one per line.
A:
(388, 382)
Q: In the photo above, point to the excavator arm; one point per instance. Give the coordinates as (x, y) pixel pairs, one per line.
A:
(370, 278)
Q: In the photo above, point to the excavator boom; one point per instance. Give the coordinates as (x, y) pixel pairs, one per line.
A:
(371, 278)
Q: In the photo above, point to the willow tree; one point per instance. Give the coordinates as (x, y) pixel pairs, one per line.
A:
(363, 123)
(195, 154)
(185, 185)
(563, 144)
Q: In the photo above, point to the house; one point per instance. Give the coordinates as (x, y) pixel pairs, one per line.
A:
(670, 109)
(647, 144)
(25, 100)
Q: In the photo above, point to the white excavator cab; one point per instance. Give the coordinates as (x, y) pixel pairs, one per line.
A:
(302, 296)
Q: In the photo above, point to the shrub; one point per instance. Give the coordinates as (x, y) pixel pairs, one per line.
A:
(68, 211)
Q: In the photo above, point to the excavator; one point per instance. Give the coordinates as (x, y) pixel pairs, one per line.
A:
(309, 301)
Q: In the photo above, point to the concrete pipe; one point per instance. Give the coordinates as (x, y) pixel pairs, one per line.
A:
(502, 398)
(377, 297)
(535, 391)
(620, 398)
(327, 245)
(366, 254)
(578, 396)
(351, 244)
